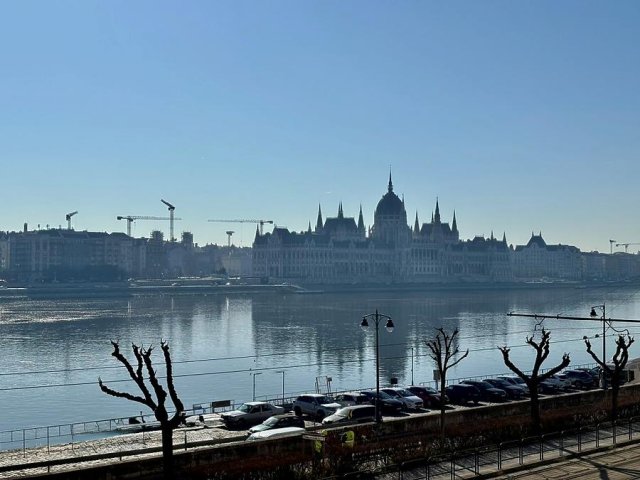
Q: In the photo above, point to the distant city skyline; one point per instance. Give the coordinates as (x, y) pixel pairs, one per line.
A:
(521, 117)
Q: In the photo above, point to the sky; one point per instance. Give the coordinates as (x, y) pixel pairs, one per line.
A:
(520, 116)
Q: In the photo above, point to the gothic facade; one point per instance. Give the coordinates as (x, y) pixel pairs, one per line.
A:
(340, 250)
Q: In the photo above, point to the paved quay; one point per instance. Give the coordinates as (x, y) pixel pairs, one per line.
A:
(618, 464)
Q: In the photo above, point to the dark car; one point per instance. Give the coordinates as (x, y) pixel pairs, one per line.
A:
(385, 402)
(430, 396)
(514, 392)
(548, 388)
(279, 421)
(580, 379)
(462, 394)
(488, 392)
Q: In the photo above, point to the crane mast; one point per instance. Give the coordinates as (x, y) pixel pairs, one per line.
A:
(68, 217)
(171, 219)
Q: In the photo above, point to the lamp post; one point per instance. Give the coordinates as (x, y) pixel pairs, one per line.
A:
(604, 345)
(253, 374)
(389, 326)
(282, 372)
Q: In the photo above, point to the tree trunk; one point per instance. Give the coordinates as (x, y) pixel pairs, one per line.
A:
(442, 409)
(535, 409)
(167, 451)
(615, 387)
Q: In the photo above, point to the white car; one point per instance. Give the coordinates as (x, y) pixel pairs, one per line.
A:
(408, 399)
(315, 405)
(250, 413)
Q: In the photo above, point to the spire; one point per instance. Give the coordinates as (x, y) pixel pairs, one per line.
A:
(437, 217)
(309, 229)
(504, 237)
(431, 217)
(492, 235)
(340, 213)
(416, 225)
(319, 221)
(390, 187)
(360, 220)
(454, 224)
(257, 234)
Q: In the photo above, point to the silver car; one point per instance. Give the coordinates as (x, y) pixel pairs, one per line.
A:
(408, 399)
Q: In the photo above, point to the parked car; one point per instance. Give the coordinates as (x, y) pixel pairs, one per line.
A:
(352, 414)
(276, 433)
(315, 405)
(548, 388)
(580, 379)
(408, 399)
(250, 413)
(462, 394)
(386, 403)
(351, 398)
(430, 396)
(518, 382)
(488, 392)
(564, 384)
(279, 421)
(514, 392)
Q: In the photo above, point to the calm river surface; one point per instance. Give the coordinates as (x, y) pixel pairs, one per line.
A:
(53, 351)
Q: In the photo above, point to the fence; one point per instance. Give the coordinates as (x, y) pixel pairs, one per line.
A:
(527, 451)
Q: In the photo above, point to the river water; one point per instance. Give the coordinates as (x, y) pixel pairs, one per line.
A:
(53, 351)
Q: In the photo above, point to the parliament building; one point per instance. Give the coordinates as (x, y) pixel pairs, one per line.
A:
(341, 250)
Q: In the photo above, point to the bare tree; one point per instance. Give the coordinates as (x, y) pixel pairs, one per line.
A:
(620, 359)
(167, 423)
(443, 351)
(533, 381)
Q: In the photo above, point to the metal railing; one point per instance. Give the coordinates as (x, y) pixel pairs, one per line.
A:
(509, 455)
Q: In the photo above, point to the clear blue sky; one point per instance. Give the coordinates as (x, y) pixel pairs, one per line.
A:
(522, 116)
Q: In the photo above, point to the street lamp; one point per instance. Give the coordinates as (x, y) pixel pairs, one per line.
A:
(389, 326)
(253, 374)
(604, 346)
(282, 372)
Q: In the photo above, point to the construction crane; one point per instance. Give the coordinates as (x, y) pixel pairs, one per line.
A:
(68, 217)
(229, 233)
(132, 218)
(611, 242)
(626, 245)
(171, 219)
(259, 222)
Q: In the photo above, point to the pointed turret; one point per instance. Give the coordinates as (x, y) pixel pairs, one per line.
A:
(309, 229)
(454, 224)
(416, 226)
(257, 234)
(437, 217)
(340, 213)
(360, 221)
(492, 235)
(504, 237)
(431, 217)
(390, 187)
(319, 221)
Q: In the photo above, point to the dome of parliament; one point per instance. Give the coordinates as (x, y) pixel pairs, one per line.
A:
(390, 204)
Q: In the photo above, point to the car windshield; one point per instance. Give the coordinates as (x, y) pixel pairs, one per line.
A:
(324, 400)
(271, 421)
(404, 393)
(245, 408)
(391, 393)
(342, 412)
